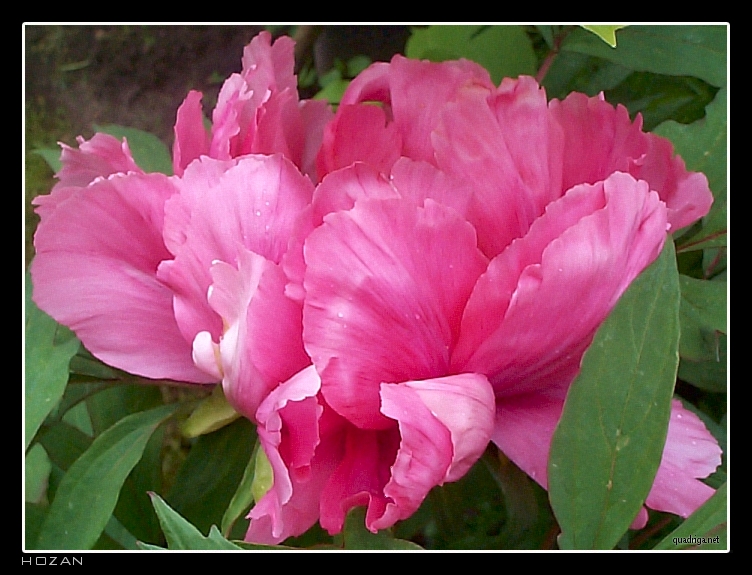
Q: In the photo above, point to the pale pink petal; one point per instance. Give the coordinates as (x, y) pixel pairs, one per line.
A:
(253, 204)
(270, 65)
(279, 128)
(371, 85)
(191, 138)
(359, 133)
(101, 156)
(535, 310)
(234, 118)
(95, 272)
(445, 425)
(691, 453)
(289, 432)
(262, 344)
(378, 276)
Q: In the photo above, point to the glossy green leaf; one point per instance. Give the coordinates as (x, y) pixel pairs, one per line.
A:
(148, 151)
(702, 145)
(243, 498)
(608, 444)
(356, 536)
(674, 50)
(505, 51)
(710, 375)
(705, 529)
(48, 350)
(89, 490)
(180, 534)
(703, 318)
(210, 475)
(607, 33)
(211, 413)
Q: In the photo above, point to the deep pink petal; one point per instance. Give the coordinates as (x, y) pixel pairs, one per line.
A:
(686, 194)
(315, 115)
(535, 310)
(191, 138)
(359, 133)
(419, 181)
(691, 453)
(95, 271)
(386, 283)
(289, 432)
(267, 65)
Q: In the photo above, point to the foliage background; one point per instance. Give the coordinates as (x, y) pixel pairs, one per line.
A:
(98, 440)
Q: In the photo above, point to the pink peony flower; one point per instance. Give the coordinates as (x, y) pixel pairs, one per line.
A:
(257, 112)
(483, 240)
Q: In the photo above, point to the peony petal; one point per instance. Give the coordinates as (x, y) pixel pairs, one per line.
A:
(262, 345)
(101, 156)
(95, 271)
(250, 203)
(386, 283)
(289, 432)
(359, 133)
(191, 138)
(419, 181)
(691, 453)
(535, 310)
(315, 115)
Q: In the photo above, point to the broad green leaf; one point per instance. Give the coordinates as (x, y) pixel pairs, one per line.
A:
(702, 145)
(51, 156)
(211, 473)
(180, 534)
(89, 490)
(710, 375)
(608, 444)
(574, 72)
(698, 51)
(34, 514)
(505, 51)
(708, 524)
(607, 33)
(702, 317)
(243, 498)
(48, 350)
(212, 413)
(356, 536)
(148, 151)
(37, 474)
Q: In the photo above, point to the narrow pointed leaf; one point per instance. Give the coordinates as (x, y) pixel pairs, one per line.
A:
(49, 349)
(608, 444)
(212, 413)
(607, 33)
(708, 522)
(243, 498)
(89, 490)
(180, 534)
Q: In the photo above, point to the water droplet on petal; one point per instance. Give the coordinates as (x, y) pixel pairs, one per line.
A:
(340, 314)
(258, 212)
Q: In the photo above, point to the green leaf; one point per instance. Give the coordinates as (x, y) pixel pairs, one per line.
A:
(243, 498)
(608, 444)
(37, 474)
(698, 51)
(505, 51)
(150, 153)
(702, 145)
(607, 33)
(702, 315)
(333, 91)
(49, 348)
(211, 473)
(51, 156)
(180, 534)
(89, 491)
(709, 522)
(356, 536)
(212, 413)
(263, 475)
(711, 375)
